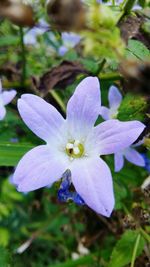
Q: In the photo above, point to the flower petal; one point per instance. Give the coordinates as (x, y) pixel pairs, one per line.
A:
(93, 182)
(7, 96)
(119, 161)
(38, 168)
(70, 39)
(62, 50)
(2, 112)
(113, 135)
(83, 107)
(114, 97)
(41, 117)
(134, 157)
(104, 112)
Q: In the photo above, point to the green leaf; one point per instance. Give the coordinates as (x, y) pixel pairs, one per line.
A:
(4, 257)
(9, 40)
(82, 261)
(123, 251)
(120, 194)
(9, 193)
(4, 234)
(132, 108)
(90, 64)
(137, 49)
(10, 154)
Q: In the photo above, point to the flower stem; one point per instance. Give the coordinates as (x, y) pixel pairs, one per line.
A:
(23, 57)
(135, 250)
(128, 6)
(57, 98)
(145, 235)
(110, 76)
(101, 65)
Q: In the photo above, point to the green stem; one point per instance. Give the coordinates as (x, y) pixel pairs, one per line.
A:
(135, 250)
(23, 57)
(145, 235)
(128, 6)
(58, 100)
(122, 4)
(101, 66)
(110, 76)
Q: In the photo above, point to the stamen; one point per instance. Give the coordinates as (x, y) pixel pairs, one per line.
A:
(69, 146)
(76, 143)
(76, 150)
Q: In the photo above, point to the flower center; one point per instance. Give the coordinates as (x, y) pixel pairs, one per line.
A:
(74, 149)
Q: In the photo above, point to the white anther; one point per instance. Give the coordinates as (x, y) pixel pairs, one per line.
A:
(76, 150)
(76, 143)
(69, 146)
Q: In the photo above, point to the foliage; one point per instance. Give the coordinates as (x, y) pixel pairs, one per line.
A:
(36, 230)
(123, 251)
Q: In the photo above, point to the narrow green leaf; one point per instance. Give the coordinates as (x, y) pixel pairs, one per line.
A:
(9, 40)
(10, 154)
(123, 251)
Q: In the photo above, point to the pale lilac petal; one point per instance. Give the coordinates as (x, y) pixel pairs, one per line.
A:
(8, 96)
(42, 118)
(104, 112)
(2, 112)
(119, 161)
(114, 97)
(134, 157)
(93, 182)
(112, 136)
(83, 107)
(70, 39)
(39, 167)
(62, 50)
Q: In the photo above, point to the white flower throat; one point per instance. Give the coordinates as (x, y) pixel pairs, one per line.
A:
(74, 149)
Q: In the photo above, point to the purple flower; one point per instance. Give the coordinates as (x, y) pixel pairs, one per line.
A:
(117, 2)
(5, 98)
(114, 98)
(73, 144)
(30, 38)
(69, 40)
(129, 154)
(109, 2)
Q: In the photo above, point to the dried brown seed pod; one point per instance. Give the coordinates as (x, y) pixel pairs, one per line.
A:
(66, 15)
(17, 12)
(128, 222)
